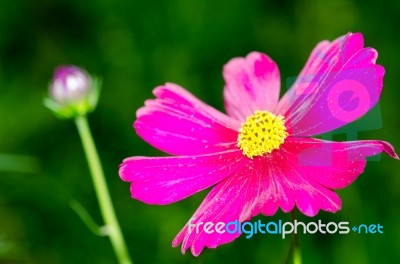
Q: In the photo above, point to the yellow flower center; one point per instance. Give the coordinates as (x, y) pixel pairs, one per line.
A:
(261, 133)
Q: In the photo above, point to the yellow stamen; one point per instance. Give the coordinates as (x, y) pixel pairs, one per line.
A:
(261, 133)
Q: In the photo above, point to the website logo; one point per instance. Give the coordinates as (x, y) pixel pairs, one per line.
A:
(282, 228)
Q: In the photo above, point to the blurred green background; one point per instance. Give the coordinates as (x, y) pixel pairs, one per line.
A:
(135, 46)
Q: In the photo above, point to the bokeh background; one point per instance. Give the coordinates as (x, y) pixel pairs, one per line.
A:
(134, 46)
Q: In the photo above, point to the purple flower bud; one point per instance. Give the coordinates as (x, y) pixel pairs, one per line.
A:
(70, 84)
(73, 92)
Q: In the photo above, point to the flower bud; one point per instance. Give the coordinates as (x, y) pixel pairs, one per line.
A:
(73, 92)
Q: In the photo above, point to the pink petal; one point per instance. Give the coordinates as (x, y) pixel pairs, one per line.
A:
(169, 179)
(339, 84)
(311, 200)
(277, 192)
(333, 164)
(291, 187)
(252, 83)
(311, 168)
(235, 198)
(178, 123)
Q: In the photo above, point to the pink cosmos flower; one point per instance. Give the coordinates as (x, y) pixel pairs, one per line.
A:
(261, 156)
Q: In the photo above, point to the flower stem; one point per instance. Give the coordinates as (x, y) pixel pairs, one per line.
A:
(296, 242)
(102, 193)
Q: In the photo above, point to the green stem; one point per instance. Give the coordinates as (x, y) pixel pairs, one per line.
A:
(103, 196)
(296, 242)
(296, 255)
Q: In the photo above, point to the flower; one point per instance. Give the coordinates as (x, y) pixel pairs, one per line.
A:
(261, 156)
(73, 92)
